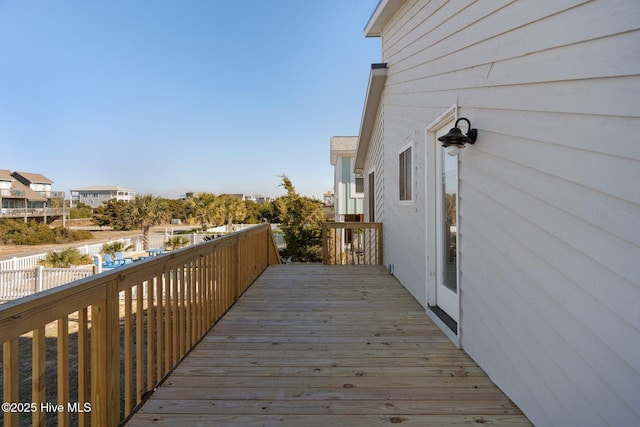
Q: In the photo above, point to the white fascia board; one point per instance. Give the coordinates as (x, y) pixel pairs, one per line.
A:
(384, 11)
(377, 78)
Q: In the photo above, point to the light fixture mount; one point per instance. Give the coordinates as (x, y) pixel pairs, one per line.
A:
(457, 138)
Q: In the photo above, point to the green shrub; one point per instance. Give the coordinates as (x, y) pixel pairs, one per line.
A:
(37, 233)
(82, 212)
(65, 259)
(176, 242)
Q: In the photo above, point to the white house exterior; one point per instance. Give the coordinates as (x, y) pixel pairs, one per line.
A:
(97, 195)
(525, 247)
(348, 185)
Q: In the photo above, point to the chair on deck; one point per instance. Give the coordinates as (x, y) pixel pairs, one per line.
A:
(122, 260)
(109, 262)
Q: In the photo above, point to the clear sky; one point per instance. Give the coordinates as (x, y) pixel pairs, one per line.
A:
(171, 96)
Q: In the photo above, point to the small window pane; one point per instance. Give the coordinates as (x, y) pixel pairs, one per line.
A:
(404, 175)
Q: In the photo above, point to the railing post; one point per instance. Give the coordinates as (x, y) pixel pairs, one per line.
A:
(11, 380)
(380, 246)
(39, 278)
(325, 245)
(236, 269)
(105, 359)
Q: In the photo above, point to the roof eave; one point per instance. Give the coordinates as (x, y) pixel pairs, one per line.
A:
(384, 11)
(377, 79)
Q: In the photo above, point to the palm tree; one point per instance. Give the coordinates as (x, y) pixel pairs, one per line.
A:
(232, 208)
(65, 258)
(118, 246)
(145, 212)
(176, 242)
(203, 209)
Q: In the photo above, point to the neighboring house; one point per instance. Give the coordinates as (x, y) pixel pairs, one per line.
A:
(348, 186)
(29, 196)
(328, 198)
(96, 196)
(525, 247)
(35, 181)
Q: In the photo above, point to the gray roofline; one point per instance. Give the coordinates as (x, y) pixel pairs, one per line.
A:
(377, 79)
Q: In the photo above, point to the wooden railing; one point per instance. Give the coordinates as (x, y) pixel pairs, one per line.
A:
(352, 243)
(88, 353)
(30, 212)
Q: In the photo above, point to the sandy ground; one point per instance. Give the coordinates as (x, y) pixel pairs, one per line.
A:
(100, 235)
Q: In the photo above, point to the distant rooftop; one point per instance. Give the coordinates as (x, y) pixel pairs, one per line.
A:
(104, 188)
(343, 146)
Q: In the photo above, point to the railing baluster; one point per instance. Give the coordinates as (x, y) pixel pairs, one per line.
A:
(140, 363)
(150, 335)
(176, 316)
(11, 380)
(167, 321)
(38, 383)
(128, 352)
(159, 329)
(83, 365)
(183, 312)
(62, 345)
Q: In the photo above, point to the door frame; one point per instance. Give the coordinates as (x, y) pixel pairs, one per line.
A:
(434, 273)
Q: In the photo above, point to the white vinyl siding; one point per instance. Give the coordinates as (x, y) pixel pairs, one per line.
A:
(375, 163)
(549, 201)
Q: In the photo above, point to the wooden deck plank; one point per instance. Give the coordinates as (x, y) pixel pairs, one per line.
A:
(327, 345)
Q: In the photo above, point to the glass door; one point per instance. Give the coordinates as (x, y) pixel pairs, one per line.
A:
(446, 236)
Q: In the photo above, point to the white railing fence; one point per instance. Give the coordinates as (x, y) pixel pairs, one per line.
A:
(32, 261)
(22, 282)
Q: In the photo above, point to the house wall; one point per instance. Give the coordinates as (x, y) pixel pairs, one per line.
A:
(374, 162)
(549, 201)
(346, 202)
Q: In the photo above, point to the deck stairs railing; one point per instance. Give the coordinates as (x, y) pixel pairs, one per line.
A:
(352, 243)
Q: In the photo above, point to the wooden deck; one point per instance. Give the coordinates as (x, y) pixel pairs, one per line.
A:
(312, 345)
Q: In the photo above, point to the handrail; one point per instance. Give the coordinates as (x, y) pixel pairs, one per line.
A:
(131, 327)
(352, 243)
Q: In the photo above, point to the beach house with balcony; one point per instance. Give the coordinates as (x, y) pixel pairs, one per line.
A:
(29, 196)
(522, 242)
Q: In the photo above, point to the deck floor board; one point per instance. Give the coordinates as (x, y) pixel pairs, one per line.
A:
(319, 345)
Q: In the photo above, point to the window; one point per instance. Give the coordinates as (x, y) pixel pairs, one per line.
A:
(359, 183)
(404, 175)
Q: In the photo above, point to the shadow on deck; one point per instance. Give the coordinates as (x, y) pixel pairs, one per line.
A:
(312, 345)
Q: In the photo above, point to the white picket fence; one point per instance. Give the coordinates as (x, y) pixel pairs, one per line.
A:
(22, 282)
(31, 261)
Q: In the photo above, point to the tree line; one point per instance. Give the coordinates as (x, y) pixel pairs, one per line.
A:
(300, 217)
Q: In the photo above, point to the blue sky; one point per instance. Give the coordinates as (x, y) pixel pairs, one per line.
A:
(172, 96)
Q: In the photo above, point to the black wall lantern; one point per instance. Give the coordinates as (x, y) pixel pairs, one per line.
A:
(455, 139)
